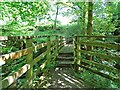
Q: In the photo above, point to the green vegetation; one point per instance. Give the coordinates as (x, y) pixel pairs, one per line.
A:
(68, 19)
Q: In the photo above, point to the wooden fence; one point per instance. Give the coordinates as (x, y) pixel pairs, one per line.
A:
(53, 46)
(100, 45)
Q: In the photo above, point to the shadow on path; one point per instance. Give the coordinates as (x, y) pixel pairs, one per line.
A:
(62, 78)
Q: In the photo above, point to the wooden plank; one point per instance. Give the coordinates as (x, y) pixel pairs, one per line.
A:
(3, 38)
(116, 79)
(41, 78)
(18, 54)
(10, 79)
(100, 36)
(101, 44)
(13, 85)
(65, 58)
(14, 55)
(54, 58)
(40, 46)
(108, 57)
(102, 66)
(38, 58)
(41, 67)
(60, 47)
(23, 37)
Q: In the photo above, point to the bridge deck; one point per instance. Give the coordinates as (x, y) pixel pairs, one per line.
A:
(62, 78)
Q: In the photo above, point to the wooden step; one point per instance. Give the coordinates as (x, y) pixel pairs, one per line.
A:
(65, 58)
(64, 63)
(66, 54)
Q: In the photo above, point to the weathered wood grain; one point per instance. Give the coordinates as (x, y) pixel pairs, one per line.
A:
(14, 55)
(10, 79)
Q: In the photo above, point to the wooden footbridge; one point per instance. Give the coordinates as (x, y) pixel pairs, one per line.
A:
(55, 66)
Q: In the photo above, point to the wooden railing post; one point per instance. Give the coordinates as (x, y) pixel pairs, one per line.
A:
(56, 48)
(76, 53)
(29, 59)
(48, 49)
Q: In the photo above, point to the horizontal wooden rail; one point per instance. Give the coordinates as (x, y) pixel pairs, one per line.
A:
(108, 57)
(10, 79)
(49, 55)
(101, 66)
(60, 46)
(22, 37)
(101, 36)
(101, 44)
(40, 69)
(39, 46)
(20, 53)
(14, 55)
(116, 79)
(97, 68)
(38, 58)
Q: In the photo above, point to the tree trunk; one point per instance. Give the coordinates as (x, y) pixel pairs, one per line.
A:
(84, 14)
(89, 26)
(55, 22)
(90, 16)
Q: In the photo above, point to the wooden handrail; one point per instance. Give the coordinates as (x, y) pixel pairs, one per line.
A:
(29, 59)
(101, 44)
(14, 55)
(116, 79)
(108, 57)
(20, 53)
(2, 38)
(101, 66)
(99, 36)
(10, 79)
(86, 64)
